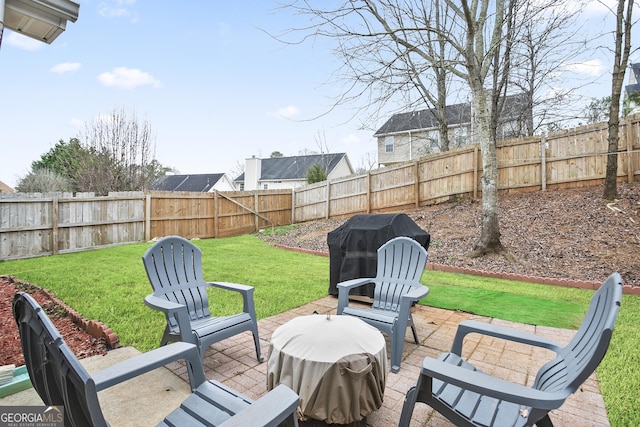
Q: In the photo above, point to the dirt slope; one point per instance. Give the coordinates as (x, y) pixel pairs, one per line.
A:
(568, 234)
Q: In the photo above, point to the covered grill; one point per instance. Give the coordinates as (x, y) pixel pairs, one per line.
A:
(353, 247)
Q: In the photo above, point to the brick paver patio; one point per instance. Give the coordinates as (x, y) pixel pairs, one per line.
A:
(233, 362)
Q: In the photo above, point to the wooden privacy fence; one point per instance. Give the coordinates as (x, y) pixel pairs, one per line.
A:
(46, 224)
(218, 214)
(36, 225)
(571, 158)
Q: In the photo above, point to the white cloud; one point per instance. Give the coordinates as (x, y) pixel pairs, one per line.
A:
(117, 9)
(350, 139)
(76, 123)
(21, 42)
(287, 112)
(128, 78)
(65, 67)
(593, 67)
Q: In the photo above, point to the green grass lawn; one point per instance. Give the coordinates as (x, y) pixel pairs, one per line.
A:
(110, 284)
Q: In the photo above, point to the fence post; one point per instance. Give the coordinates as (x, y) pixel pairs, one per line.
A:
(543, 162)
(416, 179)
(54, 226)
(216, 208)
(368, 192)
(475, 171)
(629, 141)
(147, 218)
(293, 206)
(327, 216)
(256, 218)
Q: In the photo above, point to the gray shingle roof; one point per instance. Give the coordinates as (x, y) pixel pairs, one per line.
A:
(425, 119)
(633, 88)
(290, 168)
(456, 114)
(197, 182)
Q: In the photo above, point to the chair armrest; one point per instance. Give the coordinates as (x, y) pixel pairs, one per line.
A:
(178, 311)
(497, 331)
(487, 385)
(416, 293)
(146, 362)
(271, 409)
(344, 288)
(245, 290)
(236, 287)
(163, 305)
(354, 283)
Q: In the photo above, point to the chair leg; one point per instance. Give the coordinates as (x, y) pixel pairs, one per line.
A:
(544, 422)
(415, 334)
(256, 341)
(166, 337)
(413, 329)
(407, 407)
(397, 344)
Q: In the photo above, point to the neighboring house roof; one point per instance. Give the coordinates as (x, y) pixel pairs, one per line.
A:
(295, 167)
(425, 119)
(456, 114)
(197, 182)
(4, 188)
(634, 79)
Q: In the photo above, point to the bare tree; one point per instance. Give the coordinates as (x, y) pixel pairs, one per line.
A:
(621, 53)
(400, 42)
(121, 151)
(542, 27)
(237, 169)
(368, 162)
(396, 49)
(377, 63)
(43, 180)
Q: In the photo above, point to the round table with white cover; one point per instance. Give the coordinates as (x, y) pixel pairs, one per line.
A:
(336, 364)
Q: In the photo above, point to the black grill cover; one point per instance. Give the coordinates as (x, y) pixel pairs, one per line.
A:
(353, 247)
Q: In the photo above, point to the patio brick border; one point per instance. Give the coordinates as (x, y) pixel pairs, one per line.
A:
(568, 283)
(93, 327)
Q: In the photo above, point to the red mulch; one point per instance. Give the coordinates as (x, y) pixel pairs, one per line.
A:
(80, 342)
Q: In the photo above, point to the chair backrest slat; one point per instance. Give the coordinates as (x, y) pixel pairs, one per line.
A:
(578, 359)
(55, 372)
(400, 267)
(174, 269)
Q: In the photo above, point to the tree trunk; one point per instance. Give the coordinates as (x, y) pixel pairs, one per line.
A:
(489, 241)
(621, 58)
(611, 177)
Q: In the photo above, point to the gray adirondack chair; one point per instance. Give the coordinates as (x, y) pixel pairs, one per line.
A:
(174, 268)
(60, 380)
(469, 397)
(401, 262)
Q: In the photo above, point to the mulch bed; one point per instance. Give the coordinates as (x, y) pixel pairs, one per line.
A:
(79, 341)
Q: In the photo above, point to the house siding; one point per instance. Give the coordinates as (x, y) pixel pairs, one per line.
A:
(411, 131)
(417, 144)
(342, 169)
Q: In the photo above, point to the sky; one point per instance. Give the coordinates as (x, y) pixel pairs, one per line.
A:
(211, 82)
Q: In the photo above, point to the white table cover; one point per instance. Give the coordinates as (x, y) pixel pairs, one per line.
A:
(338, 366)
